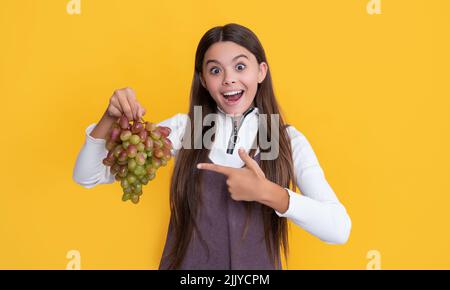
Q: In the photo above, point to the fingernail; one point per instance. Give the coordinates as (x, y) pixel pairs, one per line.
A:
(199, 166)
(241, 149)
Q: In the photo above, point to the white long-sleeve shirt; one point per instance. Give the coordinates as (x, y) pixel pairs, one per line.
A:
(317, 210)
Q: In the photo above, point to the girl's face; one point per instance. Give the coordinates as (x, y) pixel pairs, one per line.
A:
(231, 74)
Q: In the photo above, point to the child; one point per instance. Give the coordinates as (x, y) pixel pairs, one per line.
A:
(229, 208)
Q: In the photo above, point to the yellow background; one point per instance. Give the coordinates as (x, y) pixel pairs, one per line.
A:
(370, 92)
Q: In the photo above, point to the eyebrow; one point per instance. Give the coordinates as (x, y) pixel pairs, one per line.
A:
(216, 61)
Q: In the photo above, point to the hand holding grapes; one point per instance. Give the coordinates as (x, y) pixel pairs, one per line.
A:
(135, 152)
(124, 102)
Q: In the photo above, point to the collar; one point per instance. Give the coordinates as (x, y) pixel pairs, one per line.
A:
(234, 132)
(250, 110)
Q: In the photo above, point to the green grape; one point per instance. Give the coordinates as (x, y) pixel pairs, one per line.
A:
(140, 158)
(144, 179)
(134, 139)
(155, 134)
(150, 126)
(156, 163)
(126, 196)
(127, 189)
(163, 162)
(131, 164)
(125, 135)
(124, 183)
(131, 178)
(139, 170)
(125, 144)
(140, 146)
(117, 150)
(137, 188)
(135, 198)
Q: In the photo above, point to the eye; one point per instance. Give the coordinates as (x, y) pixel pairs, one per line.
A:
(240, 65)
(214, 70)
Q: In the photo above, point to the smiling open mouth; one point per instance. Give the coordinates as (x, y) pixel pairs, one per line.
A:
(233, 97)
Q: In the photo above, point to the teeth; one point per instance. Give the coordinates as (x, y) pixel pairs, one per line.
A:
(232, 93)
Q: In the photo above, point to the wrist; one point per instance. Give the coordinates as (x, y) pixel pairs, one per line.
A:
(103, 126)
(108, 118)
(274, 196)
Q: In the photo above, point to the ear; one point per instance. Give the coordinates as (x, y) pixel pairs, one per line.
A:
(262, 72)
(202, 81)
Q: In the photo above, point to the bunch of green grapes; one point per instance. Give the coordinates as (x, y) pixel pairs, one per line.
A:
(135, 152)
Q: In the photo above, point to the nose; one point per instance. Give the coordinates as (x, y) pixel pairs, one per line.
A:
(228, 79)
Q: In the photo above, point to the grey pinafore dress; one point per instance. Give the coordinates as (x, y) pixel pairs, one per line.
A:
(221, 221)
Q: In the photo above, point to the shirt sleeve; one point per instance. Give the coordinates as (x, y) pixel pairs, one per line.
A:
(89, 169)
(317, 210)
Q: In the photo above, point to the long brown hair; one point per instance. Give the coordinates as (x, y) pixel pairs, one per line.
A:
(186, 179)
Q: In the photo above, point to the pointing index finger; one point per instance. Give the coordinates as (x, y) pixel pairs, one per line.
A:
(216, 168)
